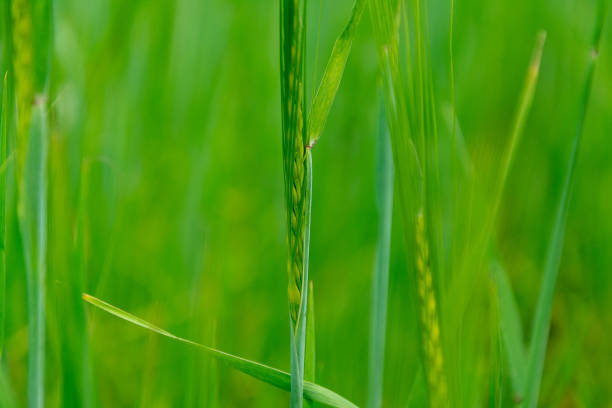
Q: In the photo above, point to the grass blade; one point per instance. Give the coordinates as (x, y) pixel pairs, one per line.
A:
(326, 92)
(3, 158)
(380, 280)
(520, 118)
(495, 355)
(32, 214)
(541, 324)
(254, 369)
(310, 358)
(511, 329)
(298, 338)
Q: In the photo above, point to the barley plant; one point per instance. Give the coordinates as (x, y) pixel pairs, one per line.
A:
(305, 203)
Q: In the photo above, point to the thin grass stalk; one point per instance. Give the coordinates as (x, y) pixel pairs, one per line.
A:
(298, 337)
(518, 125)
(3, 209)
(416, 169)
(496, 371)
(511, 329)
(419, 181)
(310, 350)
(541, 324)
(32, 215)
(31, 182)
(463, 284)
(380, 278)
(454, 155)
(83, 385)
(451, 67)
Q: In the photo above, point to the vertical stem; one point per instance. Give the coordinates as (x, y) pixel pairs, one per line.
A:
(380, 278)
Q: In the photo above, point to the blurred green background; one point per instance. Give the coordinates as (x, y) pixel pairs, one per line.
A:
(166, 139)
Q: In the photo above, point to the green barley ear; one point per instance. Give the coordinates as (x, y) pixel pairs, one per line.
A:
(432, 350)
(294, 143)
(21, 14)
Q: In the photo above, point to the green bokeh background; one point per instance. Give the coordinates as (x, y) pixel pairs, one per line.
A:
(165, 131)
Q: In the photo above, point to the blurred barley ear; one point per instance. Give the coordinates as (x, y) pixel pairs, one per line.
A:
(294, 146)
(430, 326)
(22, 65)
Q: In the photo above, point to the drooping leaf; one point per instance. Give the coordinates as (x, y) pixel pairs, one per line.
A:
(523, 108)
(254, 369)
(518, 124)
(3, 160)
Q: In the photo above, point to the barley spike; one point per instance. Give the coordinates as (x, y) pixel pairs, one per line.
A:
(432, 349)
(23, 68)
(294, 146)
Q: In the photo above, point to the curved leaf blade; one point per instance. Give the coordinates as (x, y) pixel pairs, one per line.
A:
(511, 328)
(380, 278)
(262, 372)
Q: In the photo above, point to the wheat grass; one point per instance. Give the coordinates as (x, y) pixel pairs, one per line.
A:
(430, 331)
(294, 146)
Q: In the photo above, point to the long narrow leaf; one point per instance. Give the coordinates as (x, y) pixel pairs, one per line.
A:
(256, 370)
(511, 328)
(541, 324)
(32, 213)
(3, 160)
(520, 118)
(326, 92)
(522, 112)
(380, 279)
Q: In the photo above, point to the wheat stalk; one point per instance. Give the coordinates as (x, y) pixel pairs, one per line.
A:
(294, 145)
(432, 350)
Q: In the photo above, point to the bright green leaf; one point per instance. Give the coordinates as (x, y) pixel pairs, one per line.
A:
(256, 370)
(511, 328)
